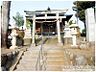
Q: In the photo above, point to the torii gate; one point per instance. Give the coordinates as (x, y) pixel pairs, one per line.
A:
(45, 12)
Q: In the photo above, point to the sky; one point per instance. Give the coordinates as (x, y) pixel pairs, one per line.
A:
(20, 6)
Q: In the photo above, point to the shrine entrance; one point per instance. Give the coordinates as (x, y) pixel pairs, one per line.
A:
(49, 28)
(46, 28)
(47, 22)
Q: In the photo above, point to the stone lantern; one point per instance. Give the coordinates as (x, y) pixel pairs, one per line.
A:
(13, 34)
(67, 33)
(74, 31)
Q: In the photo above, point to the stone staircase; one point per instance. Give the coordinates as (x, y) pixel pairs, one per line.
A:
(28, 60)
(54, 59)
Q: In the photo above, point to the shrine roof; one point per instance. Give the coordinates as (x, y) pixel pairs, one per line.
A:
(68, 17)
(73, 25)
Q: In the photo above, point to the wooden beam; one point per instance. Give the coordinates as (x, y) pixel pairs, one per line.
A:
(51, 12)
(54, 17)
(44, 17)
(49, 17)
(45, 11)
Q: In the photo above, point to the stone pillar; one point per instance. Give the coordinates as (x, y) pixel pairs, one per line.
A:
(33, 31)
(90, 24)
(25, 21)
(45, 15)
(74, 33)
(74, 40)
(58, 28)
(66, 24)
(13, 34)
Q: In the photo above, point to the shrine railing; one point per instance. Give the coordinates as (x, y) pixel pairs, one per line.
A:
(41, 60)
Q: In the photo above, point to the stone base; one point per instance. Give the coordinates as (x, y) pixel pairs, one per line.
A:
(13, 47)
(68, 40)
(74, 46)
(60, 44)
(27, 41)
(33, 44)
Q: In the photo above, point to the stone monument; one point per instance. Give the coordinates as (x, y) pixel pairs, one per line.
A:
(90, 24)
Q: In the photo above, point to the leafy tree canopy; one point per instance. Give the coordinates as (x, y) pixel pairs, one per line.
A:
(80, 7)
(70, 22)
(18, 19)
(28, 23)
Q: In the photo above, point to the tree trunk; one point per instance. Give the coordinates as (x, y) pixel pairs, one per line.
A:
(5, 13)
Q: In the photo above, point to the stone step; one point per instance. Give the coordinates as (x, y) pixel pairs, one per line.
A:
(34, 48)
(34, 52)
(54, 51)
(57, 53)
(53, 69)
(25, 69)
(54, 65)
(48, 68)
(18, 69)
(30, 57)
(27, 62)
(55, 62)
(55, 59)
(31, 51)
(50, 56)
(26, 65)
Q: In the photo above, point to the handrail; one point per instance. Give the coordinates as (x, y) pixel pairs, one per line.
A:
(40, 59)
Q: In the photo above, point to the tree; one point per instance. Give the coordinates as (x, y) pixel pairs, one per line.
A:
(80, 7)
(28, 23)
(70, 22)
(83, 33)
(5, 16)
(18, 19)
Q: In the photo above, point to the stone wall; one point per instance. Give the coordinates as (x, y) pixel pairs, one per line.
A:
(7, 60)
